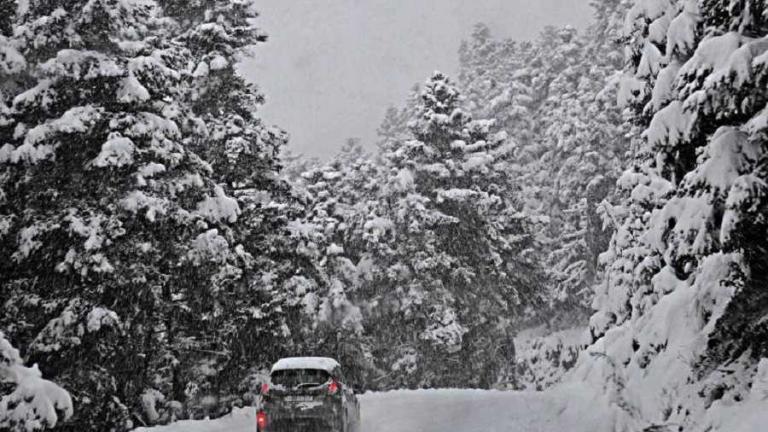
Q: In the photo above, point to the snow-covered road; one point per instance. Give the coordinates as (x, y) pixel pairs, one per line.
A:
(479, 411)
(451, 410)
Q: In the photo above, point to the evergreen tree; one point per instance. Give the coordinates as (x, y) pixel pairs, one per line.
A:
(113, 226)
(394, 126)
(340, 197)
(497, 77)
(556, 96)
(250, 308)
(686, 271)
(585, 138)
(462, 270)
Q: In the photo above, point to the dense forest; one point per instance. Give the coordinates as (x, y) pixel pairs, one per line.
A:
(160, 247)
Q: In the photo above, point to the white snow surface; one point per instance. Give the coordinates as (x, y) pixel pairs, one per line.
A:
(567, 409)
(575, 407)
(117, 151)
(219, 63)
(750, 416)
(220, 207)
(33, 402)
(241, 420)
(323, 363)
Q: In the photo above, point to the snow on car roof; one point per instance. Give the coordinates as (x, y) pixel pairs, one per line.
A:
(323, 363)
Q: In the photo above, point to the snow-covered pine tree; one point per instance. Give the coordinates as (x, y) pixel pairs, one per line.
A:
(496, 76)
(585, 136)
(105, 207)
(681, 314)
(567, 162)
(248, 309)
(550, 95)
(394, 127)
(462, 272)
(12, 63)
(341, 194)
(556, 95)
(296, 164)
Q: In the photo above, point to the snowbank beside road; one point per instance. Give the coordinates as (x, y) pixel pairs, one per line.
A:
(241, 420)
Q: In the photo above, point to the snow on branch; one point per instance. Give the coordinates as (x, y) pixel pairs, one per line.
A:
(35, 403)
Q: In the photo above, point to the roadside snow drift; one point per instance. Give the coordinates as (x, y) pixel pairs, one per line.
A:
(241, 420)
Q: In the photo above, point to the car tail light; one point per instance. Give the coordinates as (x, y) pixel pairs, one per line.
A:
(261, 420)
(265, 389)
(333, 387)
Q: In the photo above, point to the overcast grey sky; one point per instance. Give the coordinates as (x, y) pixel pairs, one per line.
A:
(332, 67)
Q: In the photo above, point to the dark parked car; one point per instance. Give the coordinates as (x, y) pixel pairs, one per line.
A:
(308, 394)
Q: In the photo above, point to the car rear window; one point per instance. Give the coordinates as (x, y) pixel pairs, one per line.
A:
(292, 378)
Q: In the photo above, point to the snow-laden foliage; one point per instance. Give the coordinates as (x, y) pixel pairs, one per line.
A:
(154, 259)
(556, 97)
(463, 249)
(140, 208)
(32, 403)
(339, 195)
(680, 327)
(382, 228)
(428, 234)
(543, 359)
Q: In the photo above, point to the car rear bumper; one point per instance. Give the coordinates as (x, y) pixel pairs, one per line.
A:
(304, 424)
(303, 417)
